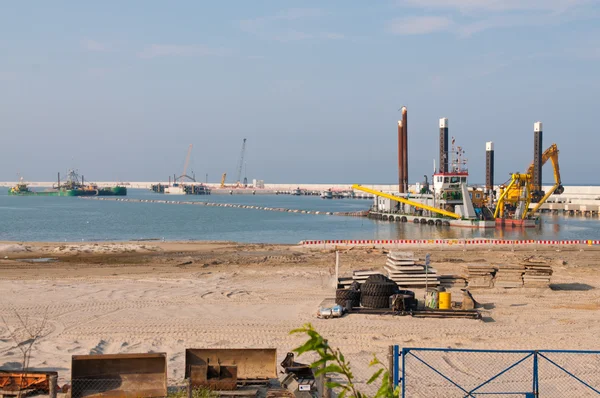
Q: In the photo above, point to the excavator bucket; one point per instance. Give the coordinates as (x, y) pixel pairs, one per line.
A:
(225, 368)
(119, 375)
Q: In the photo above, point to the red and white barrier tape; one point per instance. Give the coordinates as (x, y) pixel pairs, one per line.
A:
(450, 242)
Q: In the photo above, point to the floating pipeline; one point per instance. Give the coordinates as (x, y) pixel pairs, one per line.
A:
(235, 206)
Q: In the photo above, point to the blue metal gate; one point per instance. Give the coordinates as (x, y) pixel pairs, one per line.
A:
(445, 372)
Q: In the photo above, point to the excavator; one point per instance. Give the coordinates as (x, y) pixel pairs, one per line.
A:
(223, 180)
(520, 192)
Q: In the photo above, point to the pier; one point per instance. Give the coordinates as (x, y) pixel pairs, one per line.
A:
(233, 206)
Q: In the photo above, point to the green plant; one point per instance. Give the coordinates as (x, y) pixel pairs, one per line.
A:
(333, 361)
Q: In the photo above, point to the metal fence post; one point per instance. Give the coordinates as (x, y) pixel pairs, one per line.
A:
(327, 391)
(53, 386)
(321, 377)
(404, 352)
(188, 383)
(391, 375)
(535, 374)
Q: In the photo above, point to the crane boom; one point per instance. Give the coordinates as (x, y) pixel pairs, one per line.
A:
(187, 161)
(406, 201)
(241, 164)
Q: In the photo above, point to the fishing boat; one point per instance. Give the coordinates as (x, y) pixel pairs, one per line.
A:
(327, 194)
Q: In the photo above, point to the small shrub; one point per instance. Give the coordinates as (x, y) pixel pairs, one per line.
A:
(197, 392)
(333, 361)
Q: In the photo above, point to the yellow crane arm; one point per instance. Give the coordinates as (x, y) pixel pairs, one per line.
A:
(501, 198)
(406, 201)
(223, 180)
(544, 199)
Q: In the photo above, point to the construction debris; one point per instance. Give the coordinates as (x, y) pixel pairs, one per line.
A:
(403, 269)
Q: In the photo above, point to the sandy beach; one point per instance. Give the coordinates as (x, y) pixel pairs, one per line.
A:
(168, 296)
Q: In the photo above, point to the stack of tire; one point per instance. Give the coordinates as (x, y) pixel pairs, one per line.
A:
(376, 291)
(348, 298)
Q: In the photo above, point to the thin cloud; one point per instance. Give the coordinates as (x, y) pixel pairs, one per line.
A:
(175, 50)
(253, 24)
(276, 26)
(497, 5)
(94, 46)
(333, 36)
(468, 17)
(419, 25)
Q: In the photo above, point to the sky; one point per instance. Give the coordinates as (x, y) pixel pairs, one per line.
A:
(119, 90)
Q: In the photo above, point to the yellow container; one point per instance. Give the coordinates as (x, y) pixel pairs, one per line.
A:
(445, 300)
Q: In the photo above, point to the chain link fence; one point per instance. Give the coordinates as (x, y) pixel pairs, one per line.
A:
(423, 372)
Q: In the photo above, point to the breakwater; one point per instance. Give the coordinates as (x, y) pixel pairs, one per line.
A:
(230, 205)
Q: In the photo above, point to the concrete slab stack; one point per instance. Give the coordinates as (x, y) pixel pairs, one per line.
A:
(509, 275)
(537, 275)
(480, 275)
(452, 281)
(403, 269)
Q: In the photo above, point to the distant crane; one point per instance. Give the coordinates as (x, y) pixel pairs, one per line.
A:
(185, 166)
(241, 164)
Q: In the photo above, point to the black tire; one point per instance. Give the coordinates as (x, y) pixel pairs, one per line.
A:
(376, 301)
(345, 303)
(416, 220)
(446, 223)
(438, 222)
(430, 222)
(355, 286)
(403, 219)
(377, 278)
(385, 289)
(407, 293)
(346, 294)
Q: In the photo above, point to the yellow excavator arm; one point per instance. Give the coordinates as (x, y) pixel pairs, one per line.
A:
(223, 180)
(550, 154)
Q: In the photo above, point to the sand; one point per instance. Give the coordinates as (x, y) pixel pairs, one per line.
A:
(168, 296)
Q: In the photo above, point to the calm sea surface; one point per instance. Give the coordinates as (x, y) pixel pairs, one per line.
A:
(75, 219)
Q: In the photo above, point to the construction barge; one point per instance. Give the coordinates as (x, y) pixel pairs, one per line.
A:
(73, 186)
(449, 201)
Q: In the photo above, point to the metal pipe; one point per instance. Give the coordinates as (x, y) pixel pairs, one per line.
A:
(537, 157)
(489, 169)
(400, 158)
(443, 145)
(405, 147)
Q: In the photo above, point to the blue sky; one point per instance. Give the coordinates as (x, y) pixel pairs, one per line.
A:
(120, 89)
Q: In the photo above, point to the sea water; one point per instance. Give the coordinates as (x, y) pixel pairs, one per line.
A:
(30, 218)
